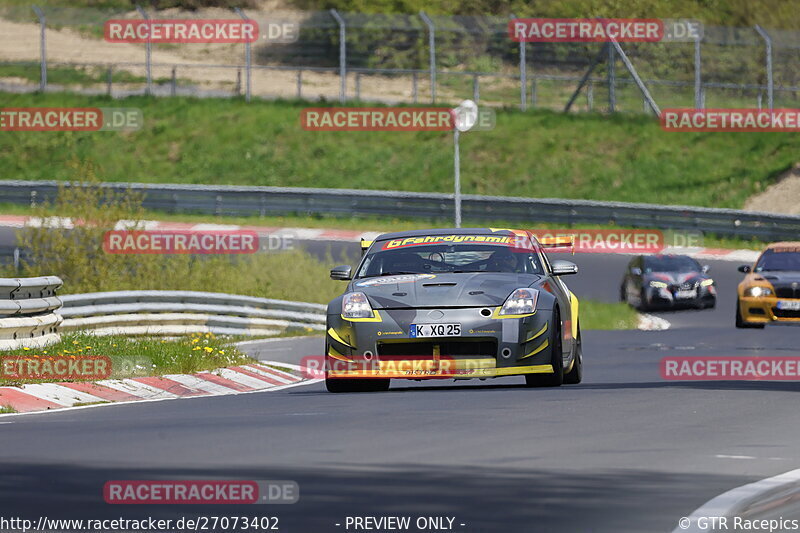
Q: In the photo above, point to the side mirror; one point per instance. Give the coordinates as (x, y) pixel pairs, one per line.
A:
(636, 271)
(745, 269)
(341, 272)
(706, 269)
(564, 268)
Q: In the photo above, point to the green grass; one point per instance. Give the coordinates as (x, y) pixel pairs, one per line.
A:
(535, 154)
(6, 409)
(602, 315)
(131, 357)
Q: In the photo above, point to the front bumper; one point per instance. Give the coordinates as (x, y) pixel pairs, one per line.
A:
(489, 346)
(764, 310)
(670, 297)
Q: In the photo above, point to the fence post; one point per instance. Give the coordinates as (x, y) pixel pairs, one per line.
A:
(173, 87)
(110, 80)
(632, 71)
(432, 50)
(523, 74)
(476, 88)
(247, 63)
(342, 56)
(414, 85)
(358, 86)
(612, 81)
(147, 52)
(299, 84)
(238, 82)
(534, 92)
(590, 96)
(698, 83)
(770, 87)
(42, 47)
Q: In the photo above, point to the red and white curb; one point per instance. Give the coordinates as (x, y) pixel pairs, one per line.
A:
(320, 234)
(256, 377)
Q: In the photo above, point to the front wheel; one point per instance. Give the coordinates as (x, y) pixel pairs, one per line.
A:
(575, 375)
(556, 359)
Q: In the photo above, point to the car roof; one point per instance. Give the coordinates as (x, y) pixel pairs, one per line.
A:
(446, 231)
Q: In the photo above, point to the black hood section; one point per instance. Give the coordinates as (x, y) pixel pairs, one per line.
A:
(474, 289)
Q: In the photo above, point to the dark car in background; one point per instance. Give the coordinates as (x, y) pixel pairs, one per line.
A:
(667, 282)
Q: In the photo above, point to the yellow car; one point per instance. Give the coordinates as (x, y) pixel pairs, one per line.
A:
(770, 292)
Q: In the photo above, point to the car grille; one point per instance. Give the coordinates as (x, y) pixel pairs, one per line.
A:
(687, 286)
(486, 348)
(787, 292)
(785, 313)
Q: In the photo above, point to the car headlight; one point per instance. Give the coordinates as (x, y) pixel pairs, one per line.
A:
(706, 282)
(757, 292)
(520, 302)
(356, 305)
(658, 284)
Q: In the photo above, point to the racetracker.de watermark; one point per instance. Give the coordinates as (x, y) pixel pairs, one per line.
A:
(55, 367)
(585, 30)
(602, 241)
(180, 242)
(181, 31)
(730, 368)
(70, 119)
(201, 492)
(744, 120)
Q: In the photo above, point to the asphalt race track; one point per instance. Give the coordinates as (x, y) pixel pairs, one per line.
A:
(625, 451)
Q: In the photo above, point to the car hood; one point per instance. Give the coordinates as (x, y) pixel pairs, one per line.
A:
(474, 289)
(675, 278)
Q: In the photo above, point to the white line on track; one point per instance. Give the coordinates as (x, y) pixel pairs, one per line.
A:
(738, 500)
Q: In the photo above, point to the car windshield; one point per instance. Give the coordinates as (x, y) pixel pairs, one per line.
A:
(454, 258)
(671, 264)
(772, 260)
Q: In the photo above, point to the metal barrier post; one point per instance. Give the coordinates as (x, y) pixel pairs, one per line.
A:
(358, 86)
(110, 80)
(534, 92)
(342, 55)
(590, 96)
(770, 87)
(173, 87)
(246, 58)
(42, 47)
(414, 85)
(432, 50)
(147, 52)
(476, 88)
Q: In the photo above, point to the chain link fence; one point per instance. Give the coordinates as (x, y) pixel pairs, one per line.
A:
(412, 58)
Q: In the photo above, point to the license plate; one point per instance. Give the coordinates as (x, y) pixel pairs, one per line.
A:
(434, 330)
(789, 306)
(683, 295)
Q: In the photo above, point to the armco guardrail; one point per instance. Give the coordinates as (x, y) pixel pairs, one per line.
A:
(28, 312)
(181, 312)
(234, 200)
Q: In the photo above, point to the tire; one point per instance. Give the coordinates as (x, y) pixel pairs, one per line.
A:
(557, 377)
(575, 375)
(643, 301)
(741, 324)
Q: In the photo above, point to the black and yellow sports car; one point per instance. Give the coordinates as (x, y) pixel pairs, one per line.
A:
(770, 292)
(453, 303)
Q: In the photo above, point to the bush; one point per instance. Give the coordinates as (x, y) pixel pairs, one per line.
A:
(77, 256)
